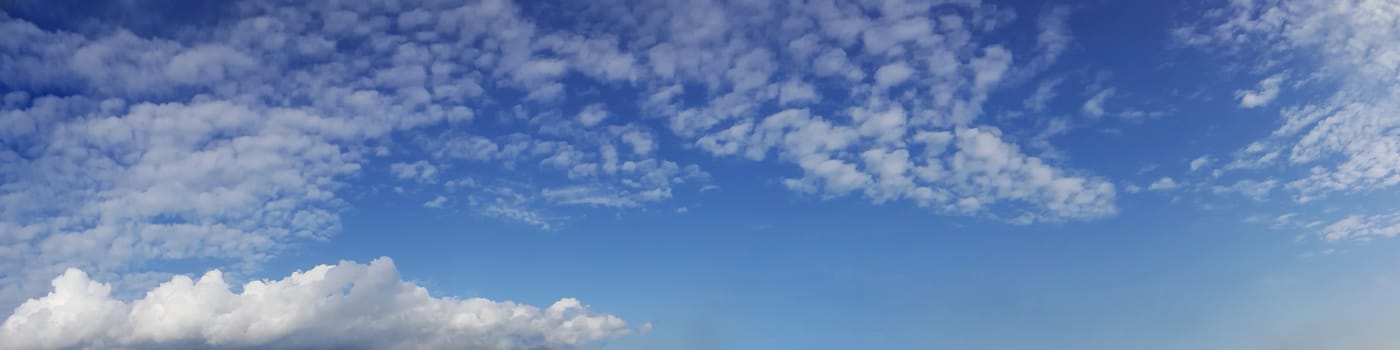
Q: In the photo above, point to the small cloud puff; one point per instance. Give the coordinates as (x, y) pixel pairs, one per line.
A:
(1266, 93)
(1163, 184)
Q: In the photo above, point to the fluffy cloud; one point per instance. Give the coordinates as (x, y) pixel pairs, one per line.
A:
(893, 74)
(592, 115)
(347, 305)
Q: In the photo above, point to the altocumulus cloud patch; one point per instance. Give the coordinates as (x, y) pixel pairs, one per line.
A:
(232, 139)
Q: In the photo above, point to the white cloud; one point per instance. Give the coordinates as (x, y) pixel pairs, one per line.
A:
(1266, 92)
(1054, 35)
(347, 305)
(1363, 227)
(1094, 106)
(1342, 141)
(168, 181)
(509, 204)
(436, 203)
(1256, 190)
(470, 148)
(794, 91)
(229, 141)
(1043, 94)
(834, 62)
(420, 171)
(589, 196)
(893, 74)
(1163, 184)
(592, 114)
(1201, 162)
(541, 69)
(1131, 188)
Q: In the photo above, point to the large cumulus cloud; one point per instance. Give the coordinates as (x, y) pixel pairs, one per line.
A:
(343, 306)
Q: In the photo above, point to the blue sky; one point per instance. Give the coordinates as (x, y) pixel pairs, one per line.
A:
(700, 175)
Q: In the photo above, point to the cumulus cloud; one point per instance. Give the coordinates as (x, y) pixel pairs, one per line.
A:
(345, 306)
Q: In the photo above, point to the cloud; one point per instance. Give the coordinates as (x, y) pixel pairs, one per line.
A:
(1163, 184)
(1256, 190)
(1363, 227)
(1266, 92)
(1201, 162)
(1341, 140)
(1043, 94)
(1054, 35)
(1094, 106)
(165, 181)
(1131, 188)
(347, 305)
(420, 171)
(230, 141)
(436, 203)
(794, 91)
(893, 74)
(592, 114)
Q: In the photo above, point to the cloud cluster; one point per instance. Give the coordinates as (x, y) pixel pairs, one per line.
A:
(118, 185)
(1347, 143)
(228, 141)
(1363, 227)
(343, 306)
(121, 146)
(911, 78)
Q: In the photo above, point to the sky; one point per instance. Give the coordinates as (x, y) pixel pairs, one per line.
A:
(804, 174)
